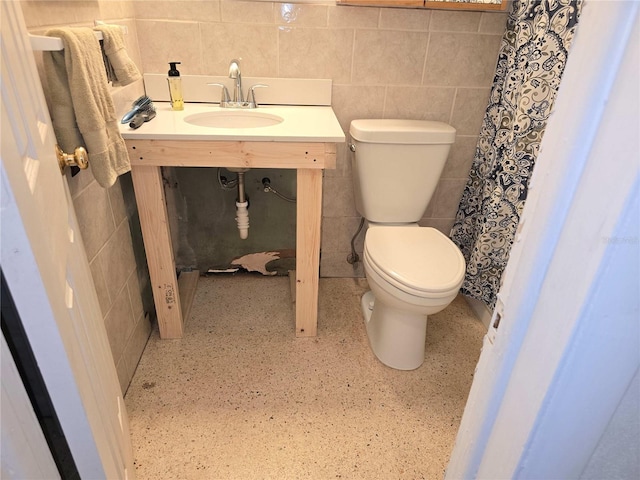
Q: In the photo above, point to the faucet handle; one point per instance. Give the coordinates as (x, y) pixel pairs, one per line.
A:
(252, 94)
(224, 97)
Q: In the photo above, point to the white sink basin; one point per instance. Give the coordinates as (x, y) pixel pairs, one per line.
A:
(267, 123)
(233, 119)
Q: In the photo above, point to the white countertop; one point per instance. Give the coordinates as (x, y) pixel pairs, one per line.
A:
(301, 124)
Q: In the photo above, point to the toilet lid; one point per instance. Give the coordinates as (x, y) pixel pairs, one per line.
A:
(421, 259)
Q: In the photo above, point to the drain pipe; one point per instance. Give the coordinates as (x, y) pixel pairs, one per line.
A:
(242, 212)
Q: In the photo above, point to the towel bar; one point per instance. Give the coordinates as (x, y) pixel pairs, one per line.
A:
(52, 44)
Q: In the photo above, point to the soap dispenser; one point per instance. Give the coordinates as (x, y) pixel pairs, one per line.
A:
(175, 87)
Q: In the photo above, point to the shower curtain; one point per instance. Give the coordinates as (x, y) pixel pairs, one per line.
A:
(531, 60)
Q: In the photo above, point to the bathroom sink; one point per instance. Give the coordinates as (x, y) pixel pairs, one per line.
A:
(267, 123)
(233, 119)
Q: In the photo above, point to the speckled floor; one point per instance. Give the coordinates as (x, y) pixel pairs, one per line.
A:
(239, 397)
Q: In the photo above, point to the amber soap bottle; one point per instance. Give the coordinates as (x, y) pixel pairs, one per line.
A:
(175, 87)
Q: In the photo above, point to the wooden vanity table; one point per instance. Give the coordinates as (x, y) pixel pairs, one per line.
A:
(308, 149)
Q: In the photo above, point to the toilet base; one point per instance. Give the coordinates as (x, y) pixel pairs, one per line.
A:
(397, 338)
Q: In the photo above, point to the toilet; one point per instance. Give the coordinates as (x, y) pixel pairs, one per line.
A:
(412, 271)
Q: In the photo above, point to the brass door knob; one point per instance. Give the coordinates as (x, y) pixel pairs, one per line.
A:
(79, 158)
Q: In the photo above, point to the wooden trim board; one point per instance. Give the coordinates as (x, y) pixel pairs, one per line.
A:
(309, 218)
(149, 191)
(203, 153)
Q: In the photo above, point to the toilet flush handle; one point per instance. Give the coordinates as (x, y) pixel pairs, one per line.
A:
(352, 147)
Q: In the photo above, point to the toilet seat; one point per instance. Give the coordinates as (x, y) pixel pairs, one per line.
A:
(419, 261)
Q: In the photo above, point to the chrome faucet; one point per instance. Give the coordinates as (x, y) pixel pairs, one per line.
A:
(238, 97)
(234, 72)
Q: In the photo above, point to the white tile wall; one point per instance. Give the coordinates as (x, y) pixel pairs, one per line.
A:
(391, 63)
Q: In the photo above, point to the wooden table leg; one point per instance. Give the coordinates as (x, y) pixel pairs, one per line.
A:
(147, 182)
(309, 217)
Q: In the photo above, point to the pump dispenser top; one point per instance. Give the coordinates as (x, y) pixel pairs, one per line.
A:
(175, 87)
(173, 71)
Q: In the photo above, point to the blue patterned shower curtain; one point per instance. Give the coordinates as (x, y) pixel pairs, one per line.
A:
(530, 63)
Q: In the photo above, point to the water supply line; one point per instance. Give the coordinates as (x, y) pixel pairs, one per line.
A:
(353, 257)
(224, 183)
(266, 185)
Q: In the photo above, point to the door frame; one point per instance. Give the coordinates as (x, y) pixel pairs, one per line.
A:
(47, 272)
(491, 414)
(562, 349)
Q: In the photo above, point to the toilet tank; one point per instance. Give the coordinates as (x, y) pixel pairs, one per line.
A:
(396, 166)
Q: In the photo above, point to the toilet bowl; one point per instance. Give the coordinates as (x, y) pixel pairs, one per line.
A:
(412, 273)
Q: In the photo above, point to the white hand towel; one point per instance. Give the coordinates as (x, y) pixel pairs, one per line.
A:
(82, 109)
(117, 58)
